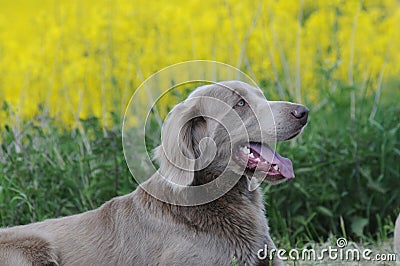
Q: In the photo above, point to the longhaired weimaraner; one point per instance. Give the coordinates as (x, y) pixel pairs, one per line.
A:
(139, 229)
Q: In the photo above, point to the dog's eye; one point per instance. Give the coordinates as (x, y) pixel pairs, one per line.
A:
(241, 103)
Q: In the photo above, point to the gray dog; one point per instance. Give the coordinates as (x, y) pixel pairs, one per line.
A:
(140, 229)
(397, 236)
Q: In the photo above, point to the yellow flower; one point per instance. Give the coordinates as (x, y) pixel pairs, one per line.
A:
(85, 58)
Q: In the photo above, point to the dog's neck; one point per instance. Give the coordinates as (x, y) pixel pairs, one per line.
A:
(237, 218)
(239, 195)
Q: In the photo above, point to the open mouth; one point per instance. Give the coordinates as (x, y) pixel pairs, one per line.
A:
(261, 158)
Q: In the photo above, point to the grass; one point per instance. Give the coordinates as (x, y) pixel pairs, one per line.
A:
(48, 172)
(347, 170)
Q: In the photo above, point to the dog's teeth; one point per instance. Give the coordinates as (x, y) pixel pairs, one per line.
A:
(276, 167)
(245, 150)
(251, 155)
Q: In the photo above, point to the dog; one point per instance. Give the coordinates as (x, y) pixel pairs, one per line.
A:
(222, 131)
(397, 235)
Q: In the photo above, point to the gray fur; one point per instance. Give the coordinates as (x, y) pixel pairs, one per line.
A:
(397, 235)
(138, 229)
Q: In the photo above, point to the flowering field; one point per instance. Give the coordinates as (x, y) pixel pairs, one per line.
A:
(76, 63)
(77, 59)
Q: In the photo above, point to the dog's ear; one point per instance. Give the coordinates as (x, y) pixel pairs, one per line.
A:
(180, 147)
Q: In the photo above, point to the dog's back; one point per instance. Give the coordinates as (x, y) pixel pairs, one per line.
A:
(25, 248)
(137, 229)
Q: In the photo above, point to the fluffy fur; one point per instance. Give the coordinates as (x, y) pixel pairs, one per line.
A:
(139, 229)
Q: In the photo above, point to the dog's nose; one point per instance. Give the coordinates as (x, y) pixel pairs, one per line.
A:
(301, 113)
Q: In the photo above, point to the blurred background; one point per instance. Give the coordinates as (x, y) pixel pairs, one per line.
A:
(69, 68)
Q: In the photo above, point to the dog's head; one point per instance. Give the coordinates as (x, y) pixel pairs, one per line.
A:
(228, 126)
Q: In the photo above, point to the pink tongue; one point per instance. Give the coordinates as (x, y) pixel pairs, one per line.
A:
(273, 157)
